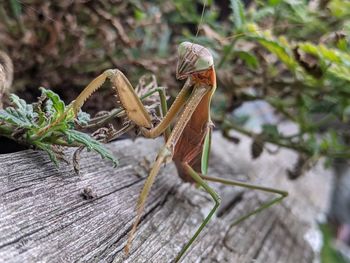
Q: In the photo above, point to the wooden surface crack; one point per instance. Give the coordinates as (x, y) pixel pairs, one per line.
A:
(262, 242)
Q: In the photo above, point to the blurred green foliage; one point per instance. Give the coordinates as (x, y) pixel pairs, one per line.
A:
(295, 56)
(328, 253)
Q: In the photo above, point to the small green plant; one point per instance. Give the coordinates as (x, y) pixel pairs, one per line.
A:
(32, 125)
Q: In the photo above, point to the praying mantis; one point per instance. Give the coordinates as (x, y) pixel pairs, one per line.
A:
(188, 143)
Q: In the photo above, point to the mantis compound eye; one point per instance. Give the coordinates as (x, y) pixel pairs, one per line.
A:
(204, 62)
(183, 47)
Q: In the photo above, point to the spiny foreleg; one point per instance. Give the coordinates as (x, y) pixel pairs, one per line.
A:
(131, 103)
(126, 93)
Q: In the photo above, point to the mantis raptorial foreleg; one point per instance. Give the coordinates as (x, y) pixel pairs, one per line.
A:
(132, 103)
(170, 115)
(126, 93)
(120, 112)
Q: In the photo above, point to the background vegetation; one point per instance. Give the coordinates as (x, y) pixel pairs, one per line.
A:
(291, 54)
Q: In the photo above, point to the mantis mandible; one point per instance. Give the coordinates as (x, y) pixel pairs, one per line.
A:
(188, 144)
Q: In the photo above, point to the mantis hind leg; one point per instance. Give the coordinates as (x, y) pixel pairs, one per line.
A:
(281, 195)
(198, 179)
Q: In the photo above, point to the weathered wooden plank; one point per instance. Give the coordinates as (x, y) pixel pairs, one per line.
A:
(45, 218)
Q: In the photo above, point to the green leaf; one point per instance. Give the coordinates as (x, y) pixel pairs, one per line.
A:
(346, 113)
(57, 103)
(11, 116)
(16, 8)
(20, 104)
(281, 51)
(21, 114)
(249, 58)
(263, 13)
(339, 8)
(328, 253)
(326, 106)
(90, 143)
(47, 148)
(238, 13)
(23, 109)
(338, 61)
(83, 118)
(270, 130)
(274, 2)
(139, 14)
(312, 144)
(342, 44)
(240, 118)
(340, 72)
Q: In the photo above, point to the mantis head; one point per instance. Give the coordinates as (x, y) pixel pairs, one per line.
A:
(192, 58)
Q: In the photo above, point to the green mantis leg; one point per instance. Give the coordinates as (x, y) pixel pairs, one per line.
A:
(200, 180)
(282, 195)
(215, 197)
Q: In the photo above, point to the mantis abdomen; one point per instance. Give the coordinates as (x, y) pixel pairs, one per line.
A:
(189, 147)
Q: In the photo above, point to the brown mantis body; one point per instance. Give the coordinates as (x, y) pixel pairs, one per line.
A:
(188, 144)
(189, 148)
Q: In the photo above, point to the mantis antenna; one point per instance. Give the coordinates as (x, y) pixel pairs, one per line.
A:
(202, 15)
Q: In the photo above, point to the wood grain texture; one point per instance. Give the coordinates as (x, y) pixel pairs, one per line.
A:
(45, 217)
